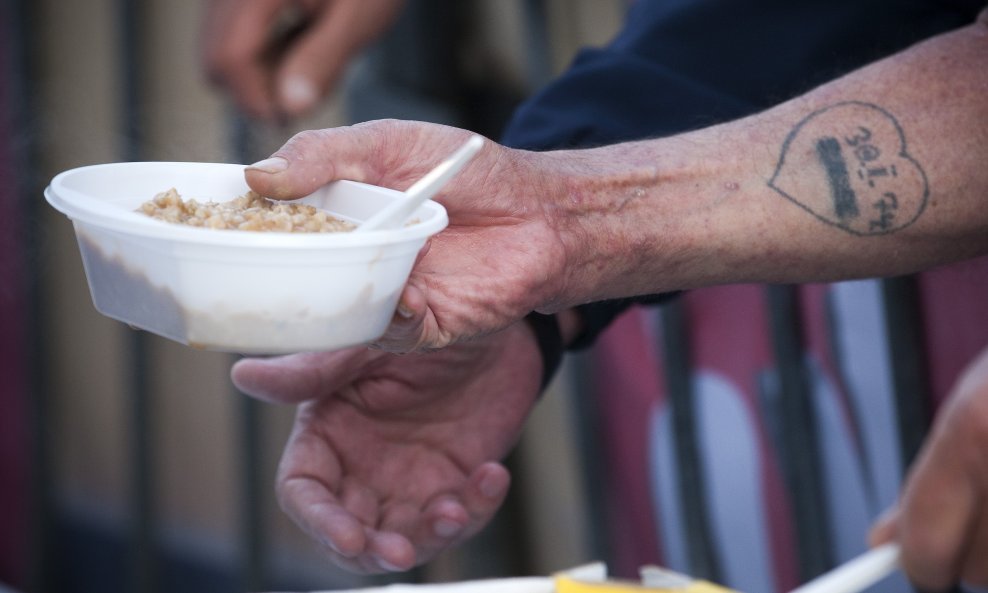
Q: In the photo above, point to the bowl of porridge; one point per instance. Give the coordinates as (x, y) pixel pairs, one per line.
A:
(188, 252)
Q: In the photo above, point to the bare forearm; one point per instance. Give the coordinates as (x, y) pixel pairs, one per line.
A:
(882, 172)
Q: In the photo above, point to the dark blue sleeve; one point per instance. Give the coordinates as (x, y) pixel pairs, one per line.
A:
(679, 65)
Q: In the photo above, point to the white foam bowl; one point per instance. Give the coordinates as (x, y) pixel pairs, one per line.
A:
(237, 291)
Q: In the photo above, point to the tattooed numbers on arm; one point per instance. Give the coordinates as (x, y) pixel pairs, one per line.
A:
(848, 164)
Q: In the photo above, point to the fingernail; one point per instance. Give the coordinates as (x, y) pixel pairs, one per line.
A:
(298, 93)
(490, 486)
(272, 165)
(404, 311)
(446, 528)
(387, 565)
(329, 543)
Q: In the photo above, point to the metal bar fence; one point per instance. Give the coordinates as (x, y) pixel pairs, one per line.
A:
(44, 549)
(910, 377)
(800, 449)
(252, 573)
(144, 520)
(797, 426)
(692, 489)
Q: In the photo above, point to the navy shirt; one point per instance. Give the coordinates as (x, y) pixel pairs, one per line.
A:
(684, 64)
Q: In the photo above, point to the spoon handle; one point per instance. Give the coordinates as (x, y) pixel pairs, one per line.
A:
(857, 574)
(395, 214)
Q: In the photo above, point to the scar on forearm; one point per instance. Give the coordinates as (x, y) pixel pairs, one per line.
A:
(849, 166)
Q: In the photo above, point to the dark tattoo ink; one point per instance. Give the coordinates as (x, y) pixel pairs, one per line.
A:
(849, 165)
(845, 201)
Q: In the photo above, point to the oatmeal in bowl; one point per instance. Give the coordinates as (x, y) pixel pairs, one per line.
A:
(249, 212)
(210, 264)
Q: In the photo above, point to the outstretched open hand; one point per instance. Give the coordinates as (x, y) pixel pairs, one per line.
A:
(394, 458)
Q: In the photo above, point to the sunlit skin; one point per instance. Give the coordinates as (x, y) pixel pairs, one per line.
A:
(746, 201)
(798, 193)
(942, 518)
(394, 458)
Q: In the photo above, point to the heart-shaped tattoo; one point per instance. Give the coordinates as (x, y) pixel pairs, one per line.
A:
(848, 165)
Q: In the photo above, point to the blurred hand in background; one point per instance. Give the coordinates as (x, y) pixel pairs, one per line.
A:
(941, 521)
(280, 58)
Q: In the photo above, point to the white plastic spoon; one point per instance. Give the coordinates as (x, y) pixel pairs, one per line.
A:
(857, 574)
(396, 213)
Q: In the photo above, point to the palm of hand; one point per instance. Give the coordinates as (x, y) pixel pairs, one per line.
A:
(395, 458)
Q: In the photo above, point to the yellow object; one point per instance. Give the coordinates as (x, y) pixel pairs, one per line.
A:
(665, 582)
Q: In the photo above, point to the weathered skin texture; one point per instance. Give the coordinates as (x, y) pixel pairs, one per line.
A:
(881, 172)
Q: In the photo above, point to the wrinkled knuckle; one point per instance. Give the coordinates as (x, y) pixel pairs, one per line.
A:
(305, 140)
(380, 125)
(379, 131)
(389, 129)
(303, 146)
